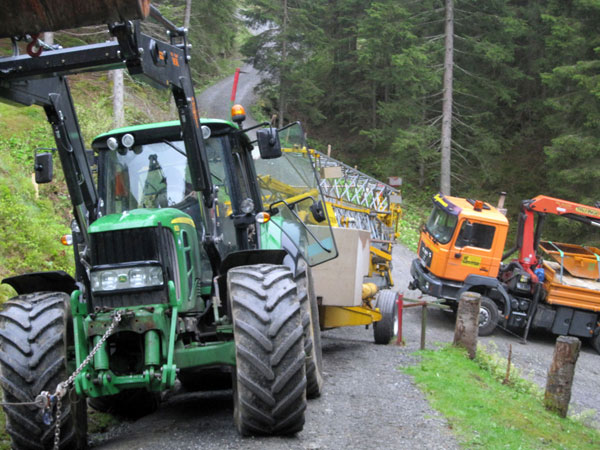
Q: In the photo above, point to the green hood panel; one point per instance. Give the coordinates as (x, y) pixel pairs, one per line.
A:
(141, 218)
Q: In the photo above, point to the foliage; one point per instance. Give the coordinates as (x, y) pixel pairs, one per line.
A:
(30, 227)
(485, 413)
(366, 78)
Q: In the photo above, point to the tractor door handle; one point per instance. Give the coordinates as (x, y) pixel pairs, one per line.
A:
(457, 255)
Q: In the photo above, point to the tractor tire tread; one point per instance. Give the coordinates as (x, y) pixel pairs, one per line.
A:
(270, 383)
(32, 359)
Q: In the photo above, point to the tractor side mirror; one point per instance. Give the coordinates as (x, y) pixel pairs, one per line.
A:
(268, 143)
(317, 211)
(43, 167)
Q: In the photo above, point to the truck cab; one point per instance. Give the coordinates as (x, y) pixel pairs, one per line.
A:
(462, 239)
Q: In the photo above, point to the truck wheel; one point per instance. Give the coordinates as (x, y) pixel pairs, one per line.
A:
(385, 329)
(34, 340)
(312, 331)
(270, 379)
(488, 316)
(596, 342)
(131, 404)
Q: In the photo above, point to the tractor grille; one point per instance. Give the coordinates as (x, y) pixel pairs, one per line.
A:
(124, 246)
(114, 247)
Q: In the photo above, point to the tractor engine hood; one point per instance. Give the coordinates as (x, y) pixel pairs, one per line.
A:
(142, 218)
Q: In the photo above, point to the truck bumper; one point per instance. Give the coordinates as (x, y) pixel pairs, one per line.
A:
(429, 284)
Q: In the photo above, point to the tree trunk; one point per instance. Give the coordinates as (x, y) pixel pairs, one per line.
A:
(118, 94)
(282, 74)
(560, 375)
(446, 149)
(49, 37)
(188, 14)
(467, 322)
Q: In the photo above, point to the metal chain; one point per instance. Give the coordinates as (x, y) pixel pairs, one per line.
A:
(63, 387)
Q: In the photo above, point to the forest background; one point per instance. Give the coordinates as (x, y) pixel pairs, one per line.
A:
(366, 78)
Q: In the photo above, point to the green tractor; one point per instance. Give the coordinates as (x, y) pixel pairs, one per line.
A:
(181, 270)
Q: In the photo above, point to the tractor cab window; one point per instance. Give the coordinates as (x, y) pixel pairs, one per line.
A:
(441, 225)
(482, 236)
(146, 176)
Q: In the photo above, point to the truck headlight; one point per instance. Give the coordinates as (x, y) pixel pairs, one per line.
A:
(127, 278)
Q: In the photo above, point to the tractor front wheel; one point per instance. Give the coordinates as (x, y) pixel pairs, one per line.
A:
(34, 339)
(269, 383)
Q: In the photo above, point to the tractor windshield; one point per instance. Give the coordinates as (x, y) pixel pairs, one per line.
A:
(290, 190)
(155, 175)
(441, 225)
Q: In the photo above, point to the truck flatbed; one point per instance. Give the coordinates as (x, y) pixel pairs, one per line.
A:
(571, 291)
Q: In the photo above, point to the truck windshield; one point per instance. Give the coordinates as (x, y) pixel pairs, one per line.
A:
(441, 225)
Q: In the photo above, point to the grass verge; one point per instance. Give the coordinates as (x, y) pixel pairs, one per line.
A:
(484, 413)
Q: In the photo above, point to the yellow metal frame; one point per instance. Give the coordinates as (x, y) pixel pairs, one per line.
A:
(347, 316)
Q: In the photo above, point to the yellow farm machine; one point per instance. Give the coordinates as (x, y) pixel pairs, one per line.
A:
(354, 289)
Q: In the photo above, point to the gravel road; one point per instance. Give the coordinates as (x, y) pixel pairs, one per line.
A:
(215, 101)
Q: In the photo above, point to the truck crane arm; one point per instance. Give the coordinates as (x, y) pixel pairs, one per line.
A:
(529, 234)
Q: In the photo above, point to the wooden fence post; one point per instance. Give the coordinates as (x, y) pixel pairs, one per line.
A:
(467, 322)
(560, 375)
(423, 324)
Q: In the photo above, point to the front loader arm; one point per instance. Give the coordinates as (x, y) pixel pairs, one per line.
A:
(35, 80)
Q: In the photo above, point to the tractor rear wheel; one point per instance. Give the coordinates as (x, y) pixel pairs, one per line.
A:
(385, 329)
(269, 379)
(312, 330)
(35, 332)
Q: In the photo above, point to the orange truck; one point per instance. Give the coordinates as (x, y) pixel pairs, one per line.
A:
(550, 285)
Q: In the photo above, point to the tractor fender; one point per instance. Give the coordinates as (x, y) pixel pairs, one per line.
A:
(479, 280)
(28, 283)
(251, 257)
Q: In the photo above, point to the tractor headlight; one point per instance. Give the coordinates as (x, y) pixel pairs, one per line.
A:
(137, 277)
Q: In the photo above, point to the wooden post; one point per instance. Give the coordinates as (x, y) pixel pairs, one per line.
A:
(560, 375)
(423, 324)
(467, 322)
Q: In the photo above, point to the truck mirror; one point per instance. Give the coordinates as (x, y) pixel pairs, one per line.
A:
(468, 237)
(43, 167)
(268, 143)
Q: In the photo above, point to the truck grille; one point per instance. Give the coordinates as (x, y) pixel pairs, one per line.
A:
(124, 246)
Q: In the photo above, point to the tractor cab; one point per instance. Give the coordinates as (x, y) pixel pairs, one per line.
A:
(146, 167)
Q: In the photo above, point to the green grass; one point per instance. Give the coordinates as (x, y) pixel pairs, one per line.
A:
(484, 413)
(413, 216)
